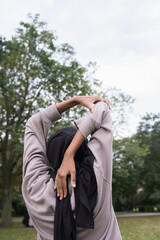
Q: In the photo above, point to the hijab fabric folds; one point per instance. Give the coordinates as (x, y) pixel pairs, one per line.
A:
(86, 186)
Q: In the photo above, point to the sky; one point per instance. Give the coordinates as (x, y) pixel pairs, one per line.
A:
(122, 36)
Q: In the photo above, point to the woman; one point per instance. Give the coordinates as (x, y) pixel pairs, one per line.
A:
(39, 189)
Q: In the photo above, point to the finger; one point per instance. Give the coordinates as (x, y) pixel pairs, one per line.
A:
(108, 104)
(55, 183)
(98, 99)
(73, 178)
(60, 190)
(58, 184)
(103, 100)
(55, 186)
(57, 190)
(106, 101)
(64, 186)
(91, 109)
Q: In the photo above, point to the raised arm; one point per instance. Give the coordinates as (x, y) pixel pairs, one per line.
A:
(68, 166)
(86, 101)
(35, 163)
(86, 125)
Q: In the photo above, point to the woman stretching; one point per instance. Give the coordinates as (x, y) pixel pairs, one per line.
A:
(73, 201)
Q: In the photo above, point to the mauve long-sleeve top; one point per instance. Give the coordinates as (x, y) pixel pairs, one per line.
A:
(38, 186)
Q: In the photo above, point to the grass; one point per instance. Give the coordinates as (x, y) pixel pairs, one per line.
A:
(140, 228)
(18, 232)
(136, 228)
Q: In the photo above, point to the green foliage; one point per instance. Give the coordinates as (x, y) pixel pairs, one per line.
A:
(18, 205)
(155, 196)
(136, 167)
(34, 72)
(121, 106)
(148, 133)
(127, 162)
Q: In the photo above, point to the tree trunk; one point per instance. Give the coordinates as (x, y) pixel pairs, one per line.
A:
(6, 206)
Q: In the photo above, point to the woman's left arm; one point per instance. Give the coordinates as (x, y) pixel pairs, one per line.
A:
(90, 122)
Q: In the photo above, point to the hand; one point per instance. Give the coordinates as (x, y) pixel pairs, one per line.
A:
(67, 167)
(88, 101)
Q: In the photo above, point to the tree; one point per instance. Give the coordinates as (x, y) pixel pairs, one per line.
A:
(136, 166)
(149, 134)
(127, 162)
(121, 104)
(34, 71)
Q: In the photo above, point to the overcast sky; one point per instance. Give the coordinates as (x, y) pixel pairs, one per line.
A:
(122, 36)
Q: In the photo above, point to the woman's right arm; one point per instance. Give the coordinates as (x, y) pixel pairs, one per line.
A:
(86, 125)
(68, 166)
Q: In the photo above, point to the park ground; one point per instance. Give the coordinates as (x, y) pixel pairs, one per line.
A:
(132, 228)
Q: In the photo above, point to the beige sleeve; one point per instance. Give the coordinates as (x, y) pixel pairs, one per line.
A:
(92, 121)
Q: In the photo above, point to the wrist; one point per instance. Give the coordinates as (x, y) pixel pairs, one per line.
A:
(76, 100)
(67, 104)
(70, 153)
(72, 102)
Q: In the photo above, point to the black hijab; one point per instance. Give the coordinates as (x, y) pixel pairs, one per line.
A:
(86, 186)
